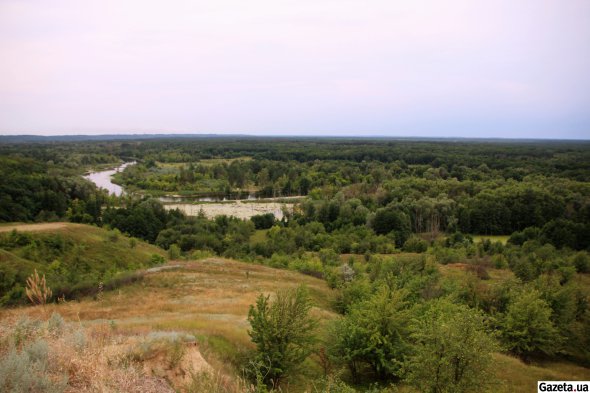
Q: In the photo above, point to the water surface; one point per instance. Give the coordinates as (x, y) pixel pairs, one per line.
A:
(102, 179)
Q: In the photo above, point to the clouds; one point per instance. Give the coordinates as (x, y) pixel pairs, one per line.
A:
(457, 68)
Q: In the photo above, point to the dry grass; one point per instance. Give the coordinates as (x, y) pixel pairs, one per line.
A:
(86, 358)
(49, 226)
(209, 299)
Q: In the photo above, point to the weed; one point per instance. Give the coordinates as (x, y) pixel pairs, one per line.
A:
(78, 340)
(26, 371)
(56, 324)
(25, 329)
(37, 290)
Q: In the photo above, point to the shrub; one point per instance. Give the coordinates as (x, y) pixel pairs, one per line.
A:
(452, 350)
(582, 262)
(25, 329)
(415, 244)
(157, 259)
(56, 324)
(500, 261)
(113, 235)
(78, 340)
(26, 371)
(174, 252)
(263, 221)
(374, 333)
(527, 326)
(283, 332)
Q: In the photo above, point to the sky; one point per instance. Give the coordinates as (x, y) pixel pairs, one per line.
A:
(454, 68)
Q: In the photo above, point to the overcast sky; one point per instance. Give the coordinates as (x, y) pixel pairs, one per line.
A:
(472, 68)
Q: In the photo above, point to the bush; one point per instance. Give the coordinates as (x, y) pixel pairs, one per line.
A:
(56, 324)
(157, 259)
(113, 235)
(452, 350)
(374, 333)
(174, 252)
(582, 262)
(283, 332)
(500, 261)
(263, 221)
(26, 371)
(527, 326)
(415, 244)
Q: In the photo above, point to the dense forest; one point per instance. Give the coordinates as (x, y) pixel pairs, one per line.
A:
(428, 244)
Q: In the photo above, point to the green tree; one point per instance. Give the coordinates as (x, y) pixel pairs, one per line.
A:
(283, 331)
(452, 350)
(374, 333)
(527, 326)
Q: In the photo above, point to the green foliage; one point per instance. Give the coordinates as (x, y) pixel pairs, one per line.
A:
(581, 261)
(263, 221)
(392, 220)
(415, 244)
(73, 260)
(374, 333)
(452, 350)
(527, 327)
(174, 252)
(331, 384)
(31, 189)
(283, 331)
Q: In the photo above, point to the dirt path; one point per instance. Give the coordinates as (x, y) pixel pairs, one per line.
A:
(33, 227)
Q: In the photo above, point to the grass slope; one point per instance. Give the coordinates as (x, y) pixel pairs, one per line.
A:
(72, 256)
(210, 299)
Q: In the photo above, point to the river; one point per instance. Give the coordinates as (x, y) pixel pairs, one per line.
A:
(102, 179)
(214, 205)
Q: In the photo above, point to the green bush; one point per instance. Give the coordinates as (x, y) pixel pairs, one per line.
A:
(174, 252)
(283, 331)
(415, 244)
(452, 351)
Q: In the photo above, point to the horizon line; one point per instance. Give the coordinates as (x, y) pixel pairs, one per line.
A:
(294, 135)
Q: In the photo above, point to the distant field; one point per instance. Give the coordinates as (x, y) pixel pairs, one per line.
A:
(207, 161)
(493, 238)
(7, 227)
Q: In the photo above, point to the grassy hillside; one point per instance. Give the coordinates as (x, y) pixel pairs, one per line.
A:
(193, 316)
(74, 257)
(207, 299)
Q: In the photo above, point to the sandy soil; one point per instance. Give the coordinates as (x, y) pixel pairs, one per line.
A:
(236, 209)
(34, 227)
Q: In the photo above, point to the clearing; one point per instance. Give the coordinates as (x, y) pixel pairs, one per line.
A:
(49, 226)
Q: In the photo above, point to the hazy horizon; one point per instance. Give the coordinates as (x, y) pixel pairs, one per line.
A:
(458, 69)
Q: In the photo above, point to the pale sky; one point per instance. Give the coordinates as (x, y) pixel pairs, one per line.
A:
(468, 68)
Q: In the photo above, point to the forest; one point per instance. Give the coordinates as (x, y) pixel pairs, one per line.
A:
(438, 254)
